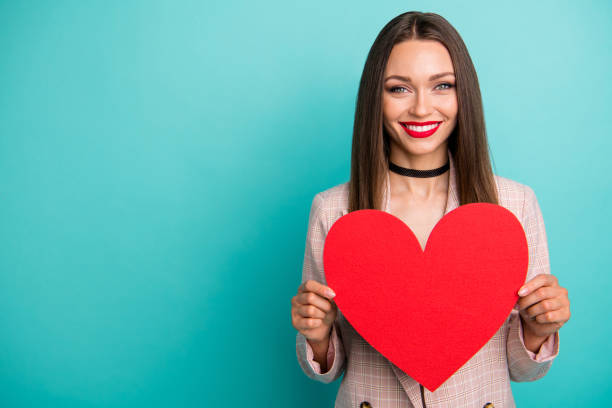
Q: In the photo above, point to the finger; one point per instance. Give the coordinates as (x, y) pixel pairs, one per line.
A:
(543, 306)
(556, 316)
(543, 292)
(305, 323)
(321, 289)
(545, 329)
(311, 298)
(543, 279)
(318, 288)
(310, 311)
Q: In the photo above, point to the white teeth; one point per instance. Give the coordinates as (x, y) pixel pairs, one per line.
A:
(421, 128)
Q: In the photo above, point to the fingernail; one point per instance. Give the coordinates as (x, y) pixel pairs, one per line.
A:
(523, 291)
(331, 293)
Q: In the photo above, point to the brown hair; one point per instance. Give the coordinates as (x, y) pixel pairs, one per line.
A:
(467, 142)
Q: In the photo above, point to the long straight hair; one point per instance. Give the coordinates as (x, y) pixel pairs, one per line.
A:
(467, 143)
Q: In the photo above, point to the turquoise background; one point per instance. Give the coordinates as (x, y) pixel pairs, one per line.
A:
(158, 160)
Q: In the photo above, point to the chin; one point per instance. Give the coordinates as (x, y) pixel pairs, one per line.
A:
(419, 147)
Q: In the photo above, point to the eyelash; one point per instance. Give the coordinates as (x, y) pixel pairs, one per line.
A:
(444, 83)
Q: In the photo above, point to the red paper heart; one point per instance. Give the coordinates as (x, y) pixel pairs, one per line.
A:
(428, 312)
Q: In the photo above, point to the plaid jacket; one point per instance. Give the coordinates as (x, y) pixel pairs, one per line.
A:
(369, 376)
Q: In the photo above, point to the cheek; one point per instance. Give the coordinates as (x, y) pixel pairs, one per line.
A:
(449, 107)
(391, 108)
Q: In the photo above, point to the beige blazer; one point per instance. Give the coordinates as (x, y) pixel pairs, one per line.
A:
(370, 378)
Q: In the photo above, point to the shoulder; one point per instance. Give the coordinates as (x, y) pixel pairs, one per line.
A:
(514, 196)
(331, 204)
(336, 196)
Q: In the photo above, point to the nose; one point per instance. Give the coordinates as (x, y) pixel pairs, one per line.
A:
(421, 105)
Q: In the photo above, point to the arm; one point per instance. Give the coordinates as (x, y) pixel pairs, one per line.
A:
(525, 364)
(313, 269)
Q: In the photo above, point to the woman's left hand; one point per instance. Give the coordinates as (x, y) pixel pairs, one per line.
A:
(544, 306)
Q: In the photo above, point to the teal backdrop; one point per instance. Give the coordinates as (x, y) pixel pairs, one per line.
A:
(158, 160)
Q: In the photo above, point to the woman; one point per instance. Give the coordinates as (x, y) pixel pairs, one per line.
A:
(419, 151)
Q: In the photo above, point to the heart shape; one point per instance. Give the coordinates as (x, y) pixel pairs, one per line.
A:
(430, 311)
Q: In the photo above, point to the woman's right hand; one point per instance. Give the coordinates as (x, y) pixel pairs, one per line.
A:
(313, 312)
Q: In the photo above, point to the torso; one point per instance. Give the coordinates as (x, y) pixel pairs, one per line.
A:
(495, 357)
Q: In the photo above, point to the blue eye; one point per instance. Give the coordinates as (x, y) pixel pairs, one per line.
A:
(395, 87)
(446, 83)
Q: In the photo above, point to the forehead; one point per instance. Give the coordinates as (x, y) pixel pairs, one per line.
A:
(418, 58)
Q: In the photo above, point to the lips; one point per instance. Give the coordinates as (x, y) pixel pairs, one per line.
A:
(421, 129)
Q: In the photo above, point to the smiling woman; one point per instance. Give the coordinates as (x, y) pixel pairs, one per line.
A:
(419, 151)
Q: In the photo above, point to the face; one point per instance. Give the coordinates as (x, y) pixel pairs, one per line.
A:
(413, 91)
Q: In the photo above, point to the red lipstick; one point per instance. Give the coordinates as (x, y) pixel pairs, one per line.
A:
(420, 133)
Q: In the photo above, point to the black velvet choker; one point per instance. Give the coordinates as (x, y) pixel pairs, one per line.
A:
(418, 173)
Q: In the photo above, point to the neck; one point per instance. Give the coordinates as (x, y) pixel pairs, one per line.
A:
(421, 187)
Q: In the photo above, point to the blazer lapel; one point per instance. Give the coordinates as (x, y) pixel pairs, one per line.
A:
(411, 387)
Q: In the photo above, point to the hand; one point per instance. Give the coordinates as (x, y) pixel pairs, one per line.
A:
(312, 314)
(544, 306)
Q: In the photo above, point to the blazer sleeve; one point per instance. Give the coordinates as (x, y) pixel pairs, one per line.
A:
(523, 364)
(313, 270)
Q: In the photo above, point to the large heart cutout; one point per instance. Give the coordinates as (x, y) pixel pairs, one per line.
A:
(430, 311)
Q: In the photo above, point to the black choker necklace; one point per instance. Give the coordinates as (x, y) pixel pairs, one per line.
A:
(418, 173)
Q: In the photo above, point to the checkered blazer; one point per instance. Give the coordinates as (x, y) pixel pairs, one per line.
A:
(369, 376)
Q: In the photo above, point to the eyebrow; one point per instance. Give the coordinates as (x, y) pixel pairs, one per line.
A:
(431, 78)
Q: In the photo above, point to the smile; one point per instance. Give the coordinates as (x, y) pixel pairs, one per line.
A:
(421, 130)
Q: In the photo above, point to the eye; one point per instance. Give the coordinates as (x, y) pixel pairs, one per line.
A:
(447, 84)
(392, 90)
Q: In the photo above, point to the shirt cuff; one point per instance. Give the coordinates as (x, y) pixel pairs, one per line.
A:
(331, 351)
(548, 350)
